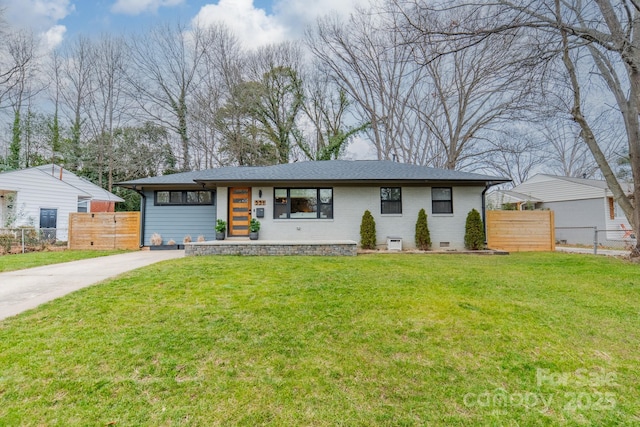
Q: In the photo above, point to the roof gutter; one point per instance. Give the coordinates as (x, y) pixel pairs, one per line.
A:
(143, 212)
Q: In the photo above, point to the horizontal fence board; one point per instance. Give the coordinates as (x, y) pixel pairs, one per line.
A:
(104, 230)
(521, 231)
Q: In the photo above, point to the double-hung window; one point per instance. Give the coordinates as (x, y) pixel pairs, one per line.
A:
(441, 200)
(303, 203)
(390, 200)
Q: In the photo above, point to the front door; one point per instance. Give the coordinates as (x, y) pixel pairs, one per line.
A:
(239, 211)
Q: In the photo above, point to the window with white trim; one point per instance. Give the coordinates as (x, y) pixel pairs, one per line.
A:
(441, 200)
(390, 200)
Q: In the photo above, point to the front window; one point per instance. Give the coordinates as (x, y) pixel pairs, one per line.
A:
(292, 203)
(390, 200)
(441, 200)
(183, 198)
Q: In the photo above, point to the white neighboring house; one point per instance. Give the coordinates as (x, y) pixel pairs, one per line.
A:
(580, 206)
(44, 196)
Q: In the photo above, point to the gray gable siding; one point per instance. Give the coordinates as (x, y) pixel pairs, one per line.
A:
(176, 222)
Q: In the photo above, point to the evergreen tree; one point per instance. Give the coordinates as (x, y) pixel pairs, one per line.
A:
(423, 237)
(368, 231)
(474, 231)
(13, 160)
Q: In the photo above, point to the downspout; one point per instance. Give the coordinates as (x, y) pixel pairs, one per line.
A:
(143, 211)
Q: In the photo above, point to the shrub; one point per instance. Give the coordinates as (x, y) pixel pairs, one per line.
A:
(423, 237)
(474, 231)
(156, 239)
(6, 241)
(254, 225)
(171, 242)
(187, 239)
(221, 225)
(201, 238)
(368, 231)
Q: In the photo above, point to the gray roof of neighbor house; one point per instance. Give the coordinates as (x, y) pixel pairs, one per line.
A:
(330, 171)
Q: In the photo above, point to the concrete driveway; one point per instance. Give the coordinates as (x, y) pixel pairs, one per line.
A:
(25, 289)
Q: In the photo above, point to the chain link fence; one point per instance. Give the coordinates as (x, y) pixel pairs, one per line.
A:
(592, 238)
(21, 240)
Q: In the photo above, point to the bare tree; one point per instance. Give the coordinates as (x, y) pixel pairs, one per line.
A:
(516, 154)
(106, 104)
(78, 62)
(326, 106)
(374, 67)
(164, 64)
(600, 37)
(21, 49)
(475, 91)
(220, 71)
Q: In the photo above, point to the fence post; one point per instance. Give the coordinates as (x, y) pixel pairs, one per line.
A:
(595, 240)
(22, 240)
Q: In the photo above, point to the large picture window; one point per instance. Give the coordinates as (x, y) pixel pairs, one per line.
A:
(292, 203)
(441, 200)
(390, 200)
(183, 198)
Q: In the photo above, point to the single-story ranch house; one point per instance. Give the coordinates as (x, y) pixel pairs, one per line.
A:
(315, 200)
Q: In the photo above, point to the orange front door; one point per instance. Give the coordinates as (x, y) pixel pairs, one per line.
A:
(239, 211)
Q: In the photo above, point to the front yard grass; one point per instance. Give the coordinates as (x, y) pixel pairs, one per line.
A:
(37, 259)
(525, 339)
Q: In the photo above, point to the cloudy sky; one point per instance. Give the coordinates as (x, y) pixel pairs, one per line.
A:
(254, 21)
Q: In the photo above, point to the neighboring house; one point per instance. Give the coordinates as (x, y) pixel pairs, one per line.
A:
(43, 197)
(322, 200)
(580, 206)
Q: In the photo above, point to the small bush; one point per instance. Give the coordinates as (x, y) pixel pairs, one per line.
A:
(201, 238)
(6, 241)
(368, 238)
(171, 242)
(156, 239)
(423, 237)
(187, 239)
(474, 231)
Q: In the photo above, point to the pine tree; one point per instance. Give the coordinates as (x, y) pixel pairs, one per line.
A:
(474, 231)
(368, 231)
(423, 237)
(13, 160)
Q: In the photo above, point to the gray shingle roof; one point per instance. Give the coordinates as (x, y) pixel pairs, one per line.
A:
(322, 171)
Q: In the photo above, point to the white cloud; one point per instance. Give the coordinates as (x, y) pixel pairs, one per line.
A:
(136, 7)
(36, 14)
(252, 25)
(297, 15)
(53, 37)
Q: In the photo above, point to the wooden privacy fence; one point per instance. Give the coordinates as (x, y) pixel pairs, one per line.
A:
(521, 231)
(104, 230)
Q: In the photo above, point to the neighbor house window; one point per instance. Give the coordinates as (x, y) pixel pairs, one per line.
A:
(441, 200)
(292, 203)
(390, 200)
(183, 198)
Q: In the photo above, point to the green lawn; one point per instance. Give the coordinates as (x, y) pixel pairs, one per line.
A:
(37, 259)
(525, 339)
